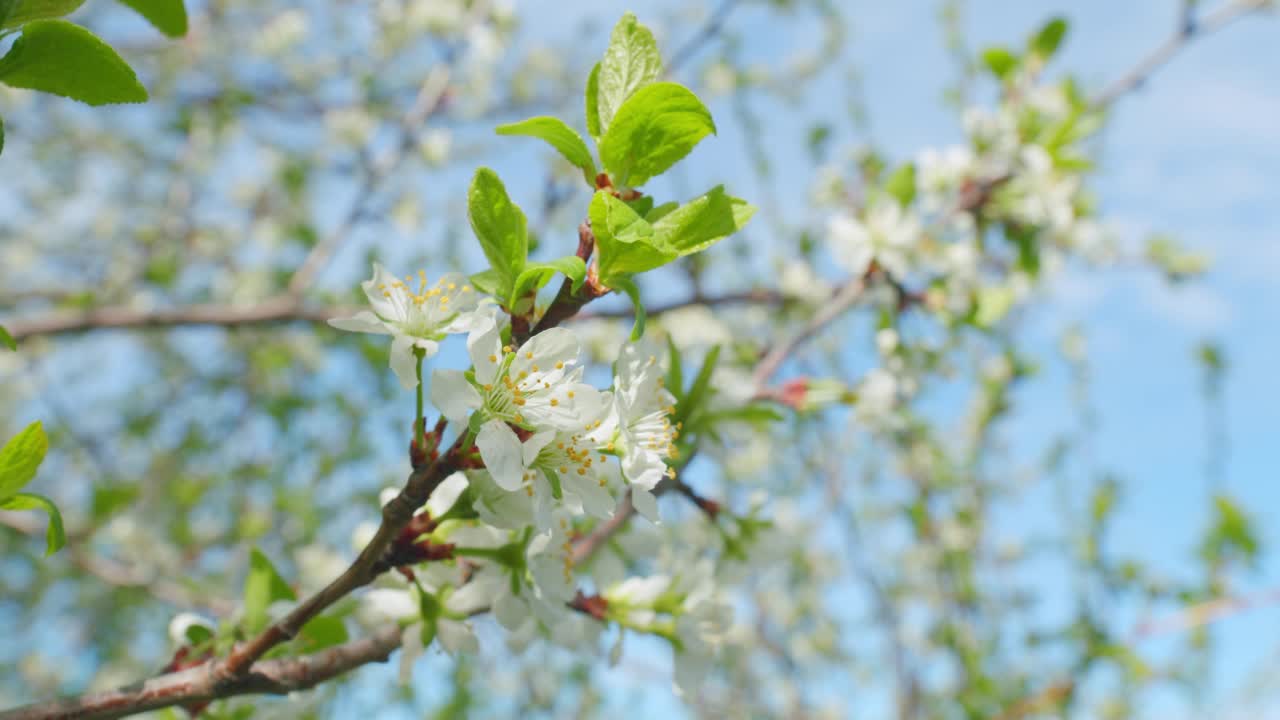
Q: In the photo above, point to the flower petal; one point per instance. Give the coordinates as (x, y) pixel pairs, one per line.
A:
(403, 361)
(501, 450)
(646, 504)
(363, 321)
(446, 494)
(484, 344)
(453, 395)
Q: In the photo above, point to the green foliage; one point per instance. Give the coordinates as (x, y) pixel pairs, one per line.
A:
(321, 632)
(902, 184)
(561, 137)
(593, 103)
(263, 586)
(1000, 61)
(537, 274)
(502, 230)
(19, 460)
(630, 63)
(54, 537)
(5, 338)
(630, 244)
(1231, 535)
(1176, 263)
(654, 129)
(16, 13)
(55, 56)
(167, 16)
(628, 286)
(1048, 38)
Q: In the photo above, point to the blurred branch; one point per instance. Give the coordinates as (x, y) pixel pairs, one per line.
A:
(273, 310)
(746, 297)
(1189, 28)
(201, 684)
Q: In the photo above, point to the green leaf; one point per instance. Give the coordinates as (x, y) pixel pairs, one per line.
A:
(631, 62)
(593, 103)
(1000, 61)
(1049, 38)
(628, 286)
(55, 56)
(488, 282)
(22, 12)
(653, 130)
(624, 240)
(643, 205)
(20, 458)
(561, 137)
(167, 16)
(321, 632)
(702, 222)
(5, 334)
(675, 375)
(700, 388)
(500, 226)
(992, 305)
(262, 587)
(536, 275)
(902, 184)
(5, 338)
(54, 536)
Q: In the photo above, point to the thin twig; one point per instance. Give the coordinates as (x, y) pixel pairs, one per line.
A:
(1189, 28)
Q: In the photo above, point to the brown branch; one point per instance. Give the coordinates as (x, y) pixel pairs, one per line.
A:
(203, 683)
(1189, 28)
(844, 298)
(268, 312)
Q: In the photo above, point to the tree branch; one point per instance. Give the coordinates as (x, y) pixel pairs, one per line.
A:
(203, 683)
(1189, 28)
(275, 310)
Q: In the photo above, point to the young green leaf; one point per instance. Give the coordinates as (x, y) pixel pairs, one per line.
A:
(5, 338)
(902, 184)
(999, 61)
(700, 388)
(167, 16)
(321, 632)
(561, 137)
(628, 286)
(55, 56)
(654, 130)
(536, 275)
(675, 374)
(624, 241)
(631, 62)
(703, 221)
(262, 587)
(54, 536)
(1049, 38)
(499, 225)
(21, 12)
(488, 282)
(20, 458)
(593, 103)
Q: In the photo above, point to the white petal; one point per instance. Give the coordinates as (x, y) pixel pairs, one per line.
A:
(484, 344)
(534, 445)
(403, 362)
(428, 347)
(643, 469)
(456, 637)
(390, 603)
(646, 504)
(446, 494)
(363, 321)
(453, 395)
(501, 450)
(545, 350)
(410, 650)
(374, 288)
(510, 610)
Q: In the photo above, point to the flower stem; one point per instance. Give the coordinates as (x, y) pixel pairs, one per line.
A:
(419, 421)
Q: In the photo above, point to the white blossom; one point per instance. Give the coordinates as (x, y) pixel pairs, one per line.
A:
(887, 235)
(416, 320)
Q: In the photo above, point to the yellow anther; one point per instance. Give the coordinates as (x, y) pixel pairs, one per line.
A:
(570, 394)
(559, 364)
(582, 471)
(493, 358)
(528, 354)
(554, 402)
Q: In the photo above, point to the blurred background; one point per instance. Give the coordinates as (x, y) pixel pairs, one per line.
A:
(1098, 508)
